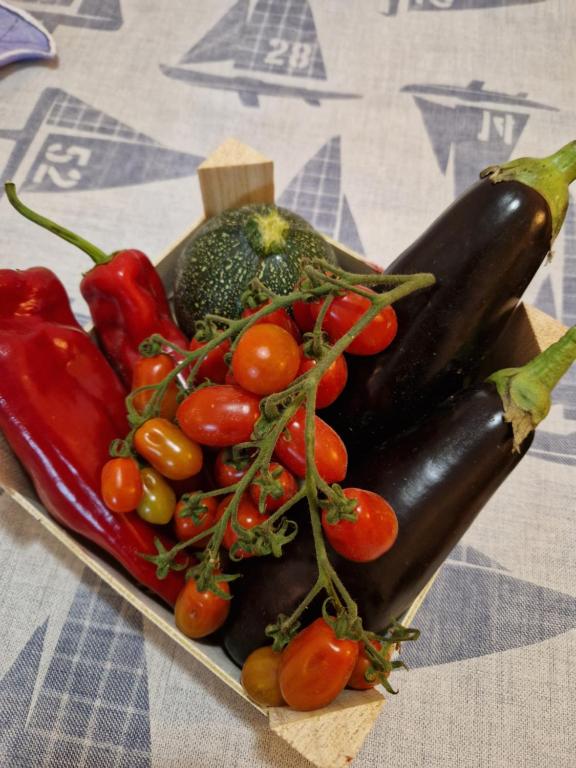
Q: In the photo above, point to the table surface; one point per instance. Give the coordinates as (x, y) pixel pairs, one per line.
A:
(376, 114)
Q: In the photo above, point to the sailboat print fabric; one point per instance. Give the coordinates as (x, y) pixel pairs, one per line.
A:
(377, 114)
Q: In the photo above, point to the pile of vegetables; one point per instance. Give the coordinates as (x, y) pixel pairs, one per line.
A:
(209, 474)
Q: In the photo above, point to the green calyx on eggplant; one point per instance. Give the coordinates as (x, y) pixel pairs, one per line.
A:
(483, 251)
(437, 476)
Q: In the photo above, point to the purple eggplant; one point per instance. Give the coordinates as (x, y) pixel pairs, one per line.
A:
(437, 476)
(483, 250)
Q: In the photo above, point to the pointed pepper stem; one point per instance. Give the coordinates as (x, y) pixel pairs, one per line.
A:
(97, 256)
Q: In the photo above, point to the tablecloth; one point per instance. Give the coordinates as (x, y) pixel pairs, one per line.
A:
(376, 115)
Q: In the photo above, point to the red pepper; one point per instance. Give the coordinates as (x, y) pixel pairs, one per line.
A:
(60, 407)
(124, 293)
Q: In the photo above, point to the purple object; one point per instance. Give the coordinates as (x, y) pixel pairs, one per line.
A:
(22, 37)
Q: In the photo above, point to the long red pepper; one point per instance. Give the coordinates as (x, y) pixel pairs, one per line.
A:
(60, 407)
(124, 293)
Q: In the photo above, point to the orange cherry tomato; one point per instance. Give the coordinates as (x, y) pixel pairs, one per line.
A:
(186, 528)
(168, 449)
(121, 486)
(152, 370)
(158, 498)
(316, 666)
(198, 614)
(329, 451)
(288, 484)
(247, 515)
(260, 677)
(358, 677)
(266, 359)
(213, 365)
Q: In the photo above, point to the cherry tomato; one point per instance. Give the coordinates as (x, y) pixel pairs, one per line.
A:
(247, 515)
(260, 677)
(229, 379)
(329, 450)
(303, 315)
(346, 310)
(168, 449)
(152, 370)
(286, 481)
(186, 528)
(198, 614)
(228, 472)
(372, 533)
(358, 677)
(316, 666)
(158, 500)
(278, 317)
(266, 359)
(213, 365)
(219, 415)
(332, 382)
(121, 486)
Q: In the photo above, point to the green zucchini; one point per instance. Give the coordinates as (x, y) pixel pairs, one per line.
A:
(216, 266)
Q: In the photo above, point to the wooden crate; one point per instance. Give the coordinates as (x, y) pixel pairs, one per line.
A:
(329, 738)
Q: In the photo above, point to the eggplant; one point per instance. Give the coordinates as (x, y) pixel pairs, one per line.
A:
(483, 250)
(437, 476)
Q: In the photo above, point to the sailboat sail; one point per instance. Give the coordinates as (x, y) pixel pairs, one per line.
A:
(480, 136)
(391, 6)
(219, 44)
(281, 37)
(84, 148)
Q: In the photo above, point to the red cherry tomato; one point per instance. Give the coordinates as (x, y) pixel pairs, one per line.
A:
(329, 450)
(220, 415)
(332, 382)
(358, 677)
(287, 482)
(279, 317)
(248, 517)
(186, 528)
(152, 370)
(121, 485)
(260, 677)
(315, 667)
(228, 472)
(198, 614)
(372, 533)
(158, 500)
(303, 315)
(168, 449)
(213, 365)
(266, 359)
(346, 310)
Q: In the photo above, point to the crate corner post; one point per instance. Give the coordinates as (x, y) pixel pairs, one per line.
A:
(233, 175)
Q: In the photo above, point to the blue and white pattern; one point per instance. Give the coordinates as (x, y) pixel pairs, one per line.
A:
(316, 194)
(68, 145)
(90, 14)
(276, 37)
(391, 7)
(91, 709)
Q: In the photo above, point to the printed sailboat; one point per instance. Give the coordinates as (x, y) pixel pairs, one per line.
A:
(390, 7)
(67, 144)
(482, 128)
(276, 38)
